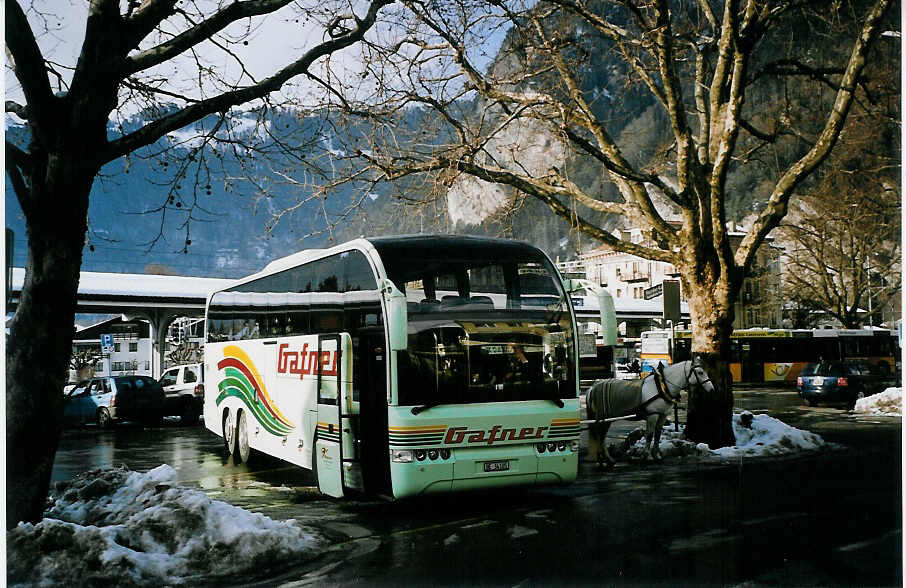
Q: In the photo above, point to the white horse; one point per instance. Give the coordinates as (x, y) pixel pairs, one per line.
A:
(649, 400)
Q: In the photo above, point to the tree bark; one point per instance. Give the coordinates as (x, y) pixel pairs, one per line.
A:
(710, 415)
(39, 344)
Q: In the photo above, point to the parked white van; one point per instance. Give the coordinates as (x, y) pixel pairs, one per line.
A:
(184, 389)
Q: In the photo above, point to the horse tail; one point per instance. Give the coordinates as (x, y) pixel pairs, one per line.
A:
(591, 399)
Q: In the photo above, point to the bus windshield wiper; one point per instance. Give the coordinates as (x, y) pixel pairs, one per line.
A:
(426, 406)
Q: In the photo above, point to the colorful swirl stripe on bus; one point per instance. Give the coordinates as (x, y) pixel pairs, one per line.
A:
(241, 381)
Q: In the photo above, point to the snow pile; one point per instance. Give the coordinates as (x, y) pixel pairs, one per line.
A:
(763, 436)
(887, 403)
(114, 526)
(767, 436)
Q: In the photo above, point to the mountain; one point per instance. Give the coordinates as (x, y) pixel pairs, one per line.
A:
(231, 193)
(187, 208)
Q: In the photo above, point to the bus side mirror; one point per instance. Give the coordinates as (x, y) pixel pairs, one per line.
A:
(608, 315)
(398, 315)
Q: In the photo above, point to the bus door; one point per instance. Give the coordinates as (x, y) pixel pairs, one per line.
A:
(751, 370)
(370, 388)
(335, 455)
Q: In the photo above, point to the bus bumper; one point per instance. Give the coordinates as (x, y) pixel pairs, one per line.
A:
(473, 469)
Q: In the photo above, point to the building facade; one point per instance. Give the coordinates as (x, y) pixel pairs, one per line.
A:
(627, 277)
(131, 350)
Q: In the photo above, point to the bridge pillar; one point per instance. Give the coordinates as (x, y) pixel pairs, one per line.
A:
(160, 319)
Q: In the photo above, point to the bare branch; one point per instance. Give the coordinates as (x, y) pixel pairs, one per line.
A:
(153, 131)
(18, 165)
(195, 35)
(28, 63)
(779, 200)
(17, 109)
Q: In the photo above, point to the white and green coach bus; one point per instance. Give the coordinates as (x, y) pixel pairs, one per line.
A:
(399, 366)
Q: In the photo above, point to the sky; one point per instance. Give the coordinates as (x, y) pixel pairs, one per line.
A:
(59, 26)
(263, 44)
(113, 524)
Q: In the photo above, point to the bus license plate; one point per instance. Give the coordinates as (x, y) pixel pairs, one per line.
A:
(496, 466)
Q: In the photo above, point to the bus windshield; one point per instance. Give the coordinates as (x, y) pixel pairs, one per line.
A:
(486, 324)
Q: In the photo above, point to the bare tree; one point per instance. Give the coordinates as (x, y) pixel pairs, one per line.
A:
(183, 353)
(843, 252)
(842, 238)
(127, 61)
(83, 358)
(478, 127)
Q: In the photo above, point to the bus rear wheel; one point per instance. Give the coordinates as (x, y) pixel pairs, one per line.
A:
(228, 432)
(242, 439)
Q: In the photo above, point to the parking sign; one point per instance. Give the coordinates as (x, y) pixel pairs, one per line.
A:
(106, 343)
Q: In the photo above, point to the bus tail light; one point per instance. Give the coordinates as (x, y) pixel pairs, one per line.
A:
(199, 391)
(842, 382)
(799, 381)
(113, 399)
(401, 455)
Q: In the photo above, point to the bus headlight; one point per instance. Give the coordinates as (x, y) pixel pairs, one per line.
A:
(541, 447)
(574, 446)
(561, 446)
(420, 454)
(432, 454)
(445, 454)
(401, 455)
(552, 447)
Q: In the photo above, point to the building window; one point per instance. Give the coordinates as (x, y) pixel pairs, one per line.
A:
(117, 366)
(117, 347)
(133, 347)
(147, 366)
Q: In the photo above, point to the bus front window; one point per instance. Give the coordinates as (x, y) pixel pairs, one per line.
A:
(484, 328)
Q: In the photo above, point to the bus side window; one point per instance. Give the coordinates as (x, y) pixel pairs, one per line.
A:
(359, 275)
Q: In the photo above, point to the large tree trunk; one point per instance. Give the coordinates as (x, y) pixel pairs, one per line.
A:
(40, 337)
(710, 415)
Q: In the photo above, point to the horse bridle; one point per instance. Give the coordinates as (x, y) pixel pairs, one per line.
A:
(688, 385)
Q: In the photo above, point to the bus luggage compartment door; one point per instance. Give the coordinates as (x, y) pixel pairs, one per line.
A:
(333, 448)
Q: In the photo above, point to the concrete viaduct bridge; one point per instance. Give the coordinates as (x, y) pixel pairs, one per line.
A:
(162, 299)
(158, 299)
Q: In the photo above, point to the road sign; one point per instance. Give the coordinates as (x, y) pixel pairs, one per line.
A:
(654, 291)
(107, 343)
(671, 289)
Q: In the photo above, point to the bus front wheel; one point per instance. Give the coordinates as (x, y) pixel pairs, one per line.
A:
(242, 438)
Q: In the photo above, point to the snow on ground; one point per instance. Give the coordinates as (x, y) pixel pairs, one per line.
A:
(887, 403)
(118, 527)
(756, 435)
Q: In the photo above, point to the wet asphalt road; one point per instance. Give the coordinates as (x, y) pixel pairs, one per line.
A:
(814, 520)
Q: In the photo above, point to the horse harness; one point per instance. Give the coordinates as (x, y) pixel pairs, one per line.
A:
(660, 384)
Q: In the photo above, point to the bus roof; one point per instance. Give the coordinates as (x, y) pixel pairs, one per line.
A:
(396, 245)
(463, 244)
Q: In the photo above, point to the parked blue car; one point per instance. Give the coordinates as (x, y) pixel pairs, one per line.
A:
(841, 381)
(108, 400)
